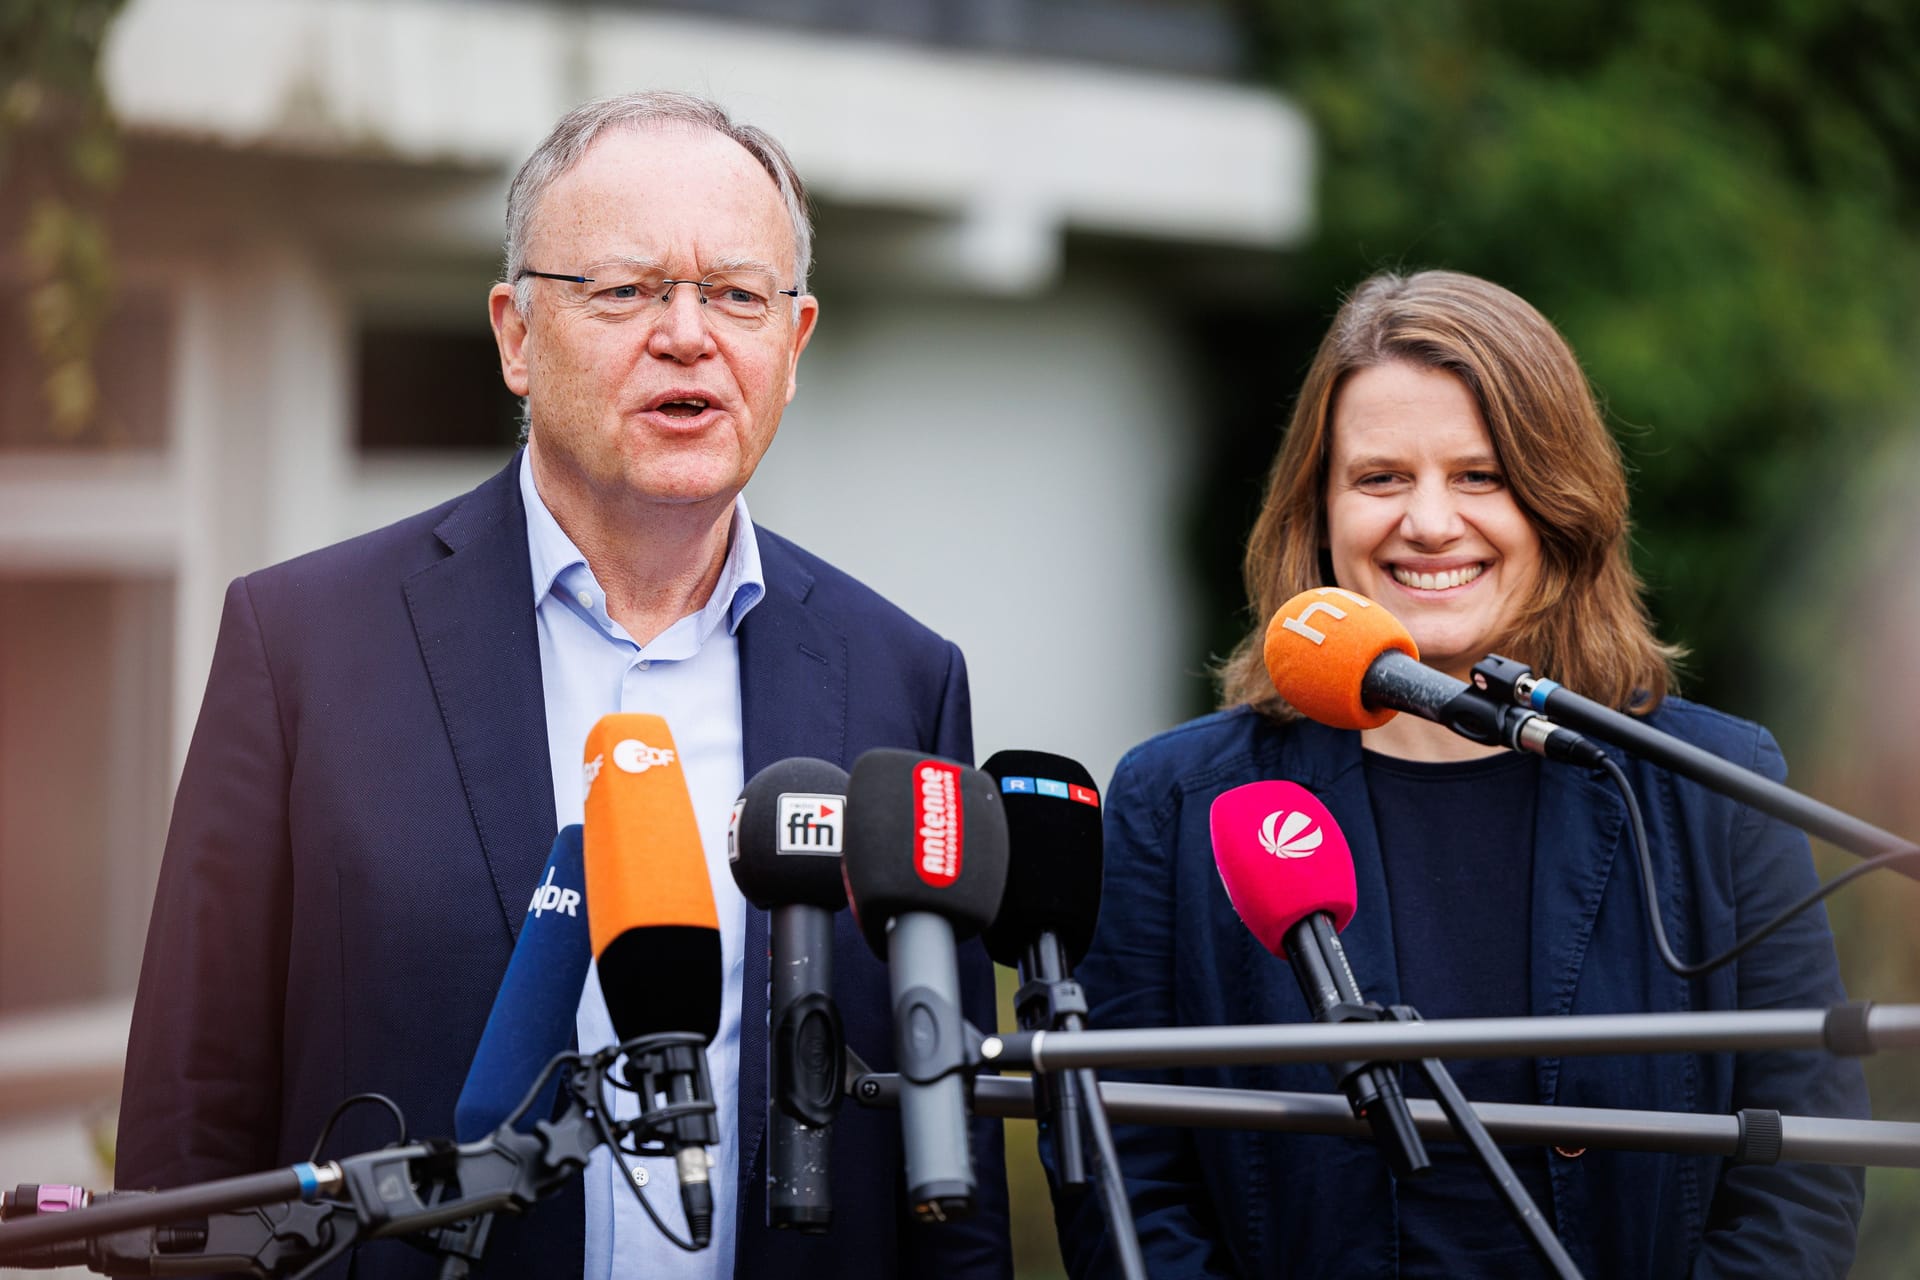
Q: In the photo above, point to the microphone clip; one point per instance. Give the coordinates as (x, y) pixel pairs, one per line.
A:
(671, 1066)
(935, 1040)
(810, 1060)
(1042, 1005)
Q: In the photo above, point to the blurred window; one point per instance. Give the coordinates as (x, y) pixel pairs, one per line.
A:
(86, 668)
(426, 388)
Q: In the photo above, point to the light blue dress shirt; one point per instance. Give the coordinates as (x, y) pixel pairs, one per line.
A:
(690, 674)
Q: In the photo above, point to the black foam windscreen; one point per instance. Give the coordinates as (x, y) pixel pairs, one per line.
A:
(786, 834)
(662, 978)
(923, 834)
(1054, 849)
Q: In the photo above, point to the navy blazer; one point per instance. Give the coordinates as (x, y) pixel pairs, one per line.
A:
(1171, 952)
(366, 806)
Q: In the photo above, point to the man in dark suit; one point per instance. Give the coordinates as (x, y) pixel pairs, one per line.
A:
(392, 727)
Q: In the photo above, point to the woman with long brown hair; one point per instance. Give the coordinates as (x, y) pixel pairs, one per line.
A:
(1447, 460)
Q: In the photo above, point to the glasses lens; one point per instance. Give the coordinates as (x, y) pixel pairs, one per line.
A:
(741, 298)
(744, 296)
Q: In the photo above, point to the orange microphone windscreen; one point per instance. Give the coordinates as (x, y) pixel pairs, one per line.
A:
(645, 864)
(1319, 647)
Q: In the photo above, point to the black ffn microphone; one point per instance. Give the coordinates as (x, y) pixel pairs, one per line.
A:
(925, 865)
(783, 843)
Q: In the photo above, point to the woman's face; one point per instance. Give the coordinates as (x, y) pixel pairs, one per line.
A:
(1419, 516)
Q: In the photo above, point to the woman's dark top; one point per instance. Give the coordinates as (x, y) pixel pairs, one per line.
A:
(1456, 844)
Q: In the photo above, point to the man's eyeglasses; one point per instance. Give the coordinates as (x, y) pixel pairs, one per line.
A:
(743, 297)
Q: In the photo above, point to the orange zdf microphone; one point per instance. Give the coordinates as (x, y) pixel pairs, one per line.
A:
(1342, 659)
(655, 933)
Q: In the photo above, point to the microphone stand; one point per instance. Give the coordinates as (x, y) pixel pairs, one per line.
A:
(1333, 994)
(1852, 1030)
(1050, 1000)
(307, 1215)
(1503, 680)
(1751, 1136)
(1494, 1164)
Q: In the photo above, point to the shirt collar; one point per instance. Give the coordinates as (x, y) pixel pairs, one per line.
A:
(551, 553)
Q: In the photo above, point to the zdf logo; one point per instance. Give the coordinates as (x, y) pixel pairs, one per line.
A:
(1292, 834)
(631, 755)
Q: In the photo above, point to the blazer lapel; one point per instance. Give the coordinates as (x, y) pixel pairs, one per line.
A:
(473, 616)
(793, 702)
(1578, 821)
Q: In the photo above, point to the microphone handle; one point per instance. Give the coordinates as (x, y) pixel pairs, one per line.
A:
(1373, 1089)
(799, 1159)
(690, 1158)
(924, 971)
(1057, 1098)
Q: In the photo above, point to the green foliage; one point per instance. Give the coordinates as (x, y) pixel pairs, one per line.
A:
(1719, 205)
(58, 141)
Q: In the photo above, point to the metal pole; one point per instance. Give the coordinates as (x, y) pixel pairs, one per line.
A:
(1810, 1139)
(1853, 1029)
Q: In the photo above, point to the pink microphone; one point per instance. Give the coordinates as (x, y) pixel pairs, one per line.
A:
(1281, 857)
(1289, 875)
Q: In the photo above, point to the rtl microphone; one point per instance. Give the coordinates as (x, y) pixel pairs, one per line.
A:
(1288, 873)
(1343, 660)
(783, 843)
(655, 932)
(532, 1018)
(925, 865)
(1048, 912)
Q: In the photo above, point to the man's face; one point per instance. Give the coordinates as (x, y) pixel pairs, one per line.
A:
(670, 404)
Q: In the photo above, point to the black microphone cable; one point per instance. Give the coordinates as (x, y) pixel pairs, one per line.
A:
(1644, 856)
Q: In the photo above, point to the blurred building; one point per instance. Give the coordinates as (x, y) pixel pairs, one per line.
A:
(1032, 215)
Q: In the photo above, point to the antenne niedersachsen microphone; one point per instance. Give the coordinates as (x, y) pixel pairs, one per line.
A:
(655, 932)
(925, 864)
(1048, 910)
(533, 1014)
(1289, 875)
(1345, 661)
(783, 844)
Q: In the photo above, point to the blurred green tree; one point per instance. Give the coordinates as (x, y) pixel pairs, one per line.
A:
(1719, 205)
(59, 142)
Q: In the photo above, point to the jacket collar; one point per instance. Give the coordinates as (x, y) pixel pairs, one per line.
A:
(473, 616)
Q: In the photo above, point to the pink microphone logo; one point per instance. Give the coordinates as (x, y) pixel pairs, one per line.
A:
(1290, 834)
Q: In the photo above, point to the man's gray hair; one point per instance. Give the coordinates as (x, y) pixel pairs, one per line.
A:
(577, 131)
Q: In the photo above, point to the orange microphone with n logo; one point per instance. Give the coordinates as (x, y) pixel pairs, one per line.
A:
(1342, 659)
(651, 919)
(1321, 647)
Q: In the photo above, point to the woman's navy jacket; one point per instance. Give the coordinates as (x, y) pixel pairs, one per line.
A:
(1171, 952)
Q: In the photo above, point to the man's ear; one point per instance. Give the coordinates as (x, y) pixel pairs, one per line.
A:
(809, 308)
(510, 335)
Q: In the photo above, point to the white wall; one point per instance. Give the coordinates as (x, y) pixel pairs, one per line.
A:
(1011, 474)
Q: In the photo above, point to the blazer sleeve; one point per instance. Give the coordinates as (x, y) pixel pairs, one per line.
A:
(202, 1097)
(1790, 1218)
(978, 1247)
(1128, 975)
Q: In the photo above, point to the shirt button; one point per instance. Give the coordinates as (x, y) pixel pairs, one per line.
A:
(586, 599)
(643, 664)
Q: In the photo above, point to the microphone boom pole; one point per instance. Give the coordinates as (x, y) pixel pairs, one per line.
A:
(1847, 1029)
